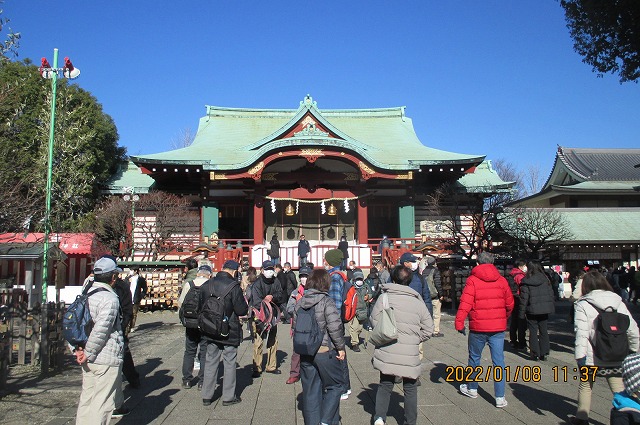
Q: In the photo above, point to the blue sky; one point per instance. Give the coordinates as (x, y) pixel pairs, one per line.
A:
(496, 77)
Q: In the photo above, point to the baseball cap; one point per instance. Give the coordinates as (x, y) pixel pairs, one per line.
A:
(105, 265)
(205, 268)
(408, 257)
(231, 265)
(267, 264)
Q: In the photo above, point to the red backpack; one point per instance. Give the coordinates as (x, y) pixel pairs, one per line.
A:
(349, 298)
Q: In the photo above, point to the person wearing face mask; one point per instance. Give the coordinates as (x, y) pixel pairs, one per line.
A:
(266, 288)
(352, 269)
(294, 297)
(417, 282)
(360, 321)
(517, 328)
(287, 280)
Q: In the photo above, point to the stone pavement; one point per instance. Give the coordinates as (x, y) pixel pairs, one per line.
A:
(157, 347)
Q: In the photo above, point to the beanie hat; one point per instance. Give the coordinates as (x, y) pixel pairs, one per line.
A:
(334, 257)
(358, 275)
(431, 260)
(631, 373)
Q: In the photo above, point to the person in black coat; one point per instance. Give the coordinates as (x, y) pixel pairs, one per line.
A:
(226, 347)
(536, 303)
(303, 250)
(343, 246)
(266, 288)
(274, 250)
(289, 283)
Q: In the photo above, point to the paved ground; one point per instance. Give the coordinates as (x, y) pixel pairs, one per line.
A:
(157, 347)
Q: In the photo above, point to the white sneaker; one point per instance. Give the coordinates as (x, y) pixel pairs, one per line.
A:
(501, 402)
(344, 396)
(469, 393)
(349, 391)
(379, 421)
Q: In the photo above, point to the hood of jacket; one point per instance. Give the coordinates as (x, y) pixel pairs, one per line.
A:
(535, 280)
(515, 272)
(486, 272)
(396, 289)
(310, 298)
(602, 299)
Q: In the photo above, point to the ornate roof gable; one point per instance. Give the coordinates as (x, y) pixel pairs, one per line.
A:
(309, 127)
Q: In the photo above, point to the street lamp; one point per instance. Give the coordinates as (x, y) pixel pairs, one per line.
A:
(130, 196)
(52, 73)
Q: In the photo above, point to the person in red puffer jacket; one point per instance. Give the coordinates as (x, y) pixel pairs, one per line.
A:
(488, 302)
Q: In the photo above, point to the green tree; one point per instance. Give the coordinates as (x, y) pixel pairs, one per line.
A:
(606, 33)
(9, 40)
(86, 151)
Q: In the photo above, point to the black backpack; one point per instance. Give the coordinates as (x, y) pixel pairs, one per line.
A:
(611, 344)
(307, 338)
(77, 322)
(190, 308)
(213, 321)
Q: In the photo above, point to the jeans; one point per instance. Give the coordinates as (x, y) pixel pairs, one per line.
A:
(192, 340)
(383, 395)
(322, 386)
(477, 341)
(303, 261)
(276, 260)
(345, 373)
(538, 334)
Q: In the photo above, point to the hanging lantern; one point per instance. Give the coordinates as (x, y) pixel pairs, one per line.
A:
(332, 210)
(289, 210)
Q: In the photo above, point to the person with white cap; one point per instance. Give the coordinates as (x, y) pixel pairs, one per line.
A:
(101, 357)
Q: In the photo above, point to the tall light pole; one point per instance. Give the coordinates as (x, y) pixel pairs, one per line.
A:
(50, 72)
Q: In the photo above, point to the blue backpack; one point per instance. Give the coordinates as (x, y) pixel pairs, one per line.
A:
(307, 338)
(77, 322)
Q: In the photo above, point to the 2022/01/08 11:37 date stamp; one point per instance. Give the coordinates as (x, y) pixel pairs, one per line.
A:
(518, 373)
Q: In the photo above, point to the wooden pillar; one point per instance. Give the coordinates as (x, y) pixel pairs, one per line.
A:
(258, 224)
(363, 222)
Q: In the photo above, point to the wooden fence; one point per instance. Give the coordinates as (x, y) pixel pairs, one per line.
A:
(20, 329)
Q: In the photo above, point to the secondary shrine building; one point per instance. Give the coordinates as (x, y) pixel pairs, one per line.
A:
(255, 173)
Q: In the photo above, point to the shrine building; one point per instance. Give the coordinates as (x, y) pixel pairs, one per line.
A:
(359, 173)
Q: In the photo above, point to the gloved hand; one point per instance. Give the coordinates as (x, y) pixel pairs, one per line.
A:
(463, 331)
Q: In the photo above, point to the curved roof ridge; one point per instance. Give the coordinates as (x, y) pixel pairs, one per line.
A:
(569, 163)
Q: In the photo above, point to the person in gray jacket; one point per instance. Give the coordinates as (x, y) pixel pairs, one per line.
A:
(101, 358)
(322, 374)
(597, 294)
(401, 358)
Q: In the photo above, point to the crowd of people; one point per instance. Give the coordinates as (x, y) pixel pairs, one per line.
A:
(263, 299)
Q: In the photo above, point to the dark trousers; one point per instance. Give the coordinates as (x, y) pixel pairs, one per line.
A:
(322, 385)
(128, 368)
(345, 373)
(192, 340)
(383, 395)
(518, 327)
(538, 334)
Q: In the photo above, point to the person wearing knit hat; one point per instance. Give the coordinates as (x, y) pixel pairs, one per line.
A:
(626, 404)
(332, 260)
(360, 320)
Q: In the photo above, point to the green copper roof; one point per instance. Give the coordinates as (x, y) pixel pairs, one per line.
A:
(232, 138)
(603, 224)
(484, 180)
(129, 176)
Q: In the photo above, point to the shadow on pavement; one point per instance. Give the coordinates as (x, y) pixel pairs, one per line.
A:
(367, 399)
(438, 375)
(540, 401)
(144, 407)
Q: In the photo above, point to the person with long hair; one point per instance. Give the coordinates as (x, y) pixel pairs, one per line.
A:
(536, 304)
(322, 374)
(597, 294)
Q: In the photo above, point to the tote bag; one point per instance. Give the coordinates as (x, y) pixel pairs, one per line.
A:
(385, 331)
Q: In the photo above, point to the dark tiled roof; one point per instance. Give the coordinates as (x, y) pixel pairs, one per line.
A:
(602, 164)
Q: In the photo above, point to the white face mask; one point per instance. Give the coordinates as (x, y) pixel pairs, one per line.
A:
(268, 273)
(414, 266)
(303, 281)
(358, 282)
